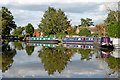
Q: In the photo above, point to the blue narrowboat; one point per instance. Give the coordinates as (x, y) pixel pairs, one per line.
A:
(81, 46)
(77, 39)
(103, 43)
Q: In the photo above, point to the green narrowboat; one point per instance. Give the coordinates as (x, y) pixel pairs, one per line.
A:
(42, 39)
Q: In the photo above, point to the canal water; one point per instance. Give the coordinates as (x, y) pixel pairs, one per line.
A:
(20, 60)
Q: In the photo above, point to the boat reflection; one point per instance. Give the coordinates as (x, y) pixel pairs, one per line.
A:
(105, 54)
(42, 44)
(81, 46)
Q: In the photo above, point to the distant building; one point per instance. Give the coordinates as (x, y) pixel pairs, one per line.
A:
(92, 29)
(36, 33)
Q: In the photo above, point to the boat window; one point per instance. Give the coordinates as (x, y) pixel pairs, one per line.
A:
(79, 38)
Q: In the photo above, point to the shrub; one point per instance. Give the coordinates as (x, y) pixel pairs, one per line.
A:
(84, 32)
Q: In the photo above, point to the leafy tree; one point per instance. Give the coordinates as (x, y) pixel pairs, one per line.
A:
(0, 21)
(100, 28)
(87, 22)
(7, 57)
(84, 32)
(29, 29)
(29, 50)
(75, 28)
(110, 17)
(70, 30)
(7, 21)
(18, 31)
(54, 21)
(113, 29)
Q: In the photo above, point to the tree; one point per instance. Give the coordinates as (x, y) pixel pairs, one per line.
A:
(29, 29)
(112, 17)
(70, 30)
(75, 28)
(100, 28)
(18, 31)
(87, 22)
(54, 21)
(84, 32)
(0, 21)
(7, 21)
(113, 29)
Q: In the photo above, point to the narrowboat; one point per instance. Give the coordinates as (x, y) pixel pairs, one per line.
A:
(81, 46)
(42, 44)
(42, 40)
(103, 43)
(81, 40)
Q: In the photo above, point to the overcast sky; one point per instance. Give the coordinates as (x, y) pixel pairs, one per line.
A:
(31, 11)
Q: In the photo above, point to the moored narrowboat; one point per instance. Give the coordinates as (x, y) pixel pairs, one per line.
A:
(42, 39)
(78, 40)
(103, 43)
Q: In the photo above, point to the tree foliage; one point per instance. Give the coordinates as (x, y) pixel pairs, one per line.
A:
(0, 22)
(18, 31)
(29, 29)
(112, 16)
(113, 29)
(86, 22)
(84, 32)
(54, 21)
(7, 21)
(29, 50)
(70, 30)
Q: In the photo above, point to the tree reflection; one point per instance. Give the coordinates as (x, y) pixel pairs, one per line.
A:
(113, 63)
(29, 49)
(85, 54)
(18, 45)
(55, 59)
(7, 57)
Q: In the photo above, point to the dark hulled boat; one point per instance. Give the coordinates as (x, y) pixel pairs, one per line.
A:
(103, 43)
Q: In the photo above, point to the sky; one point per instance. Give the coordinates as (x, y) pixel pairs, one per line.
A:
(31, 11)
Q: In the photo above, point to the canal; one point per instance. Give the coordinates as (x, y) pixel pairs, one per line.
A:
(23, 60)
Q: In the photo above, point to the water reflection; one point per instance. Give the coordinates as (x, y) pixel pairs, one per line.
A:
(66, 59)
(7, 57)
(55, 59)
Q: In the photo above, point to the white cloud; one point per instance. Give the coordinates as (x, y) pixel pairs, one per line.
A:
(23, 17)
